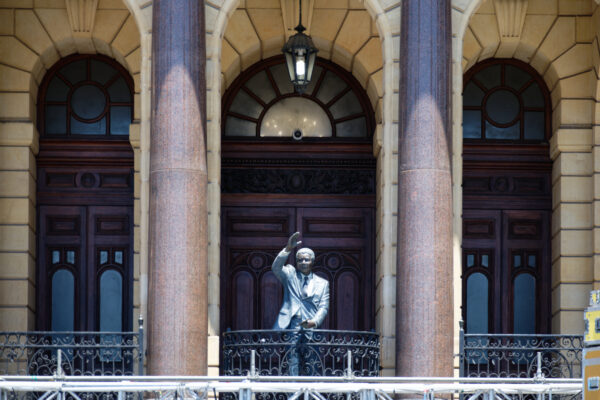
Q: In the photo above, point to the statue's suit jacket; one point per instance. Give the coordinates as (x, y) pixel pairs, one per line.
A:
(314, 306)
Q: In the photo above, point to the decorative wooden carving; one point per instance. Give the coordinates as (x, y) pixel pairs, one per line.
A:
(307, 181)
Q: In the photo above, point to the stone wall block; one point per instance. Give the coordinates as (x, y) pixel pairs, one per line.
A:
(543, 7)
(485, 29)
(29, 30)
(471, 48)
(573, 112)
(584, 30)
(15, 106)
(7, 25)
(16, 54)
(572, 269)
(560, 38)
(576, 60)
(574, 7)
(56, 23)
(534, 31)
(128, 38)
(17, 265)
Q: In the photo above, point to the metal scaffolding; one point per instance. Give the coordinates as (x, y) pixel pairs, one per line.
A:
(296, 388)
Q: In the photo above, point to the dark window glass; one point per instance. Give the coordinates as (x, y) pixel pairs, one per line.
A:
(533, 97)
(88, 128)
(511, 101)
(346, 105)
(102, 72)
(55, 257)
(502, 106)
(119, 91)
(516, 260)
(531, 261)
(63, 301)
(118, 257)
(534, 125)
(331, 86)
(260, 85)
(103, 257)
(82, 95)
(515, 77)
(470, 260)
(88, 102)
(57, 90)
(524, 304)
(489, 77)
(246, 105)
(353, 128)
(56, 120)
(240, 127)
(473, 95)
(485, 260)
(472, 124)
(71, 257)
(282, 79)
(317, 71)
(477, 303)
(335, 102)
(75, 71)
(120, 120)
(111, 301)
(510, 133)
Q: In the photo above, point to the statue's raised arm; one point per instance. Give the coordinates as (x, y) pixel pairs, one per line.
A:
(305, 295)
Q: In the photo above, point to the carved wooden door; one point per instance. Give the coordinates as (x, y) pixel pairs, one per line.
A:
(506, 268)
(85, 268)
(341, 237)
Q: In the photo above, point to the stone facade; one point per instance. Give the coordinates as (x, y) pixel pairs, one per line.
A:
(558, 38)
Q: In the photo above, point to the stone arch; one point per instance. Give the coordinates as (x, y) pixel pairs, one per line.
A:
(33, 39)
(387, 23)
(559, 42)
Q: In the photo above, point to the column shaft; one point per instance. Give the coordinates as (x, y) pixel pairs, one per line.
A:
(178, 275)
(424, 311)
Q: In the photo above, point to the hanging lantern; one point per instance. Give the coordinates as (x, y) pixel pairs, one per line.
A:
(300, 54)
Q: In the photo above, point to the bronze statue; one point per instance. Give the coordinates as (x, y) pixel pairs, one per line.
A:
(305, 295)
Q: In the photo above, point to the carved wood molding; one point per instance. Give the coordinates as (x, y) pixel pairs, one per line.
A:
(299, 181)
(511, 17)
(82, 14)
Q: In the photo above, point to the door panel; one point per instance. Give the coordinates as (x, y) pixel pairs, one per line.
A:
(253, 236)
(88, 241)
(507, 248)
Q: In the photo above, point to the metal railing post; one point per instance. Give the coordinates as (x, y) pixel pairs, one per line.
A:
(462, 358)
(141, 345)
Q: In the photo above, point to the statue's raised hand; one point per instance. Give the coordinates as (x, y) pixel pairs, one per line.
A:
(293, 242)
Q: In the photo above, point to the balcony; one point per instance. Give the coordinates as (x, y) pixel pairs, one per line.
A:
(303, 353)
(72, 353)
(520, 356)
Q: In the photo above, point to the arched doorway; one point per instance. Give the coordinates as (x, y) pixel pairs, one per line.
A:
(85, 197)
(506, 199)
(322, 185)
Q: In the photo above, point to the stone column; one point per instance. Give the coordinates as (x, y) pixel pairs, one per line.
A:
(178, 275)
(424, 307)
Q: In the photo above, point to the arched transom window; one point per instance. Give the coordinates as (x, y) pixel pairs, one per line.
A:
(261, 103)
(505, 100)
(86, 95)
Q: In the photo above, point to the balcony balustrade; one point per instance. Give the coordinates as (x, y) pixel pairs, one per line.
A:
(520, 356)
(304, 353)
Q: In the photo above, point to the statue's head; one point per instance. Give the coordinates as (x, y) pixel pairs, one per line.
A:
(305, 258)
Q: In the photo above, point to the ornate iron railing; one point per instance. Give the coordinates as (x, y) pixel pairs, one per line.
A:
(300, 352)
(520, 356)
(72, 353)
